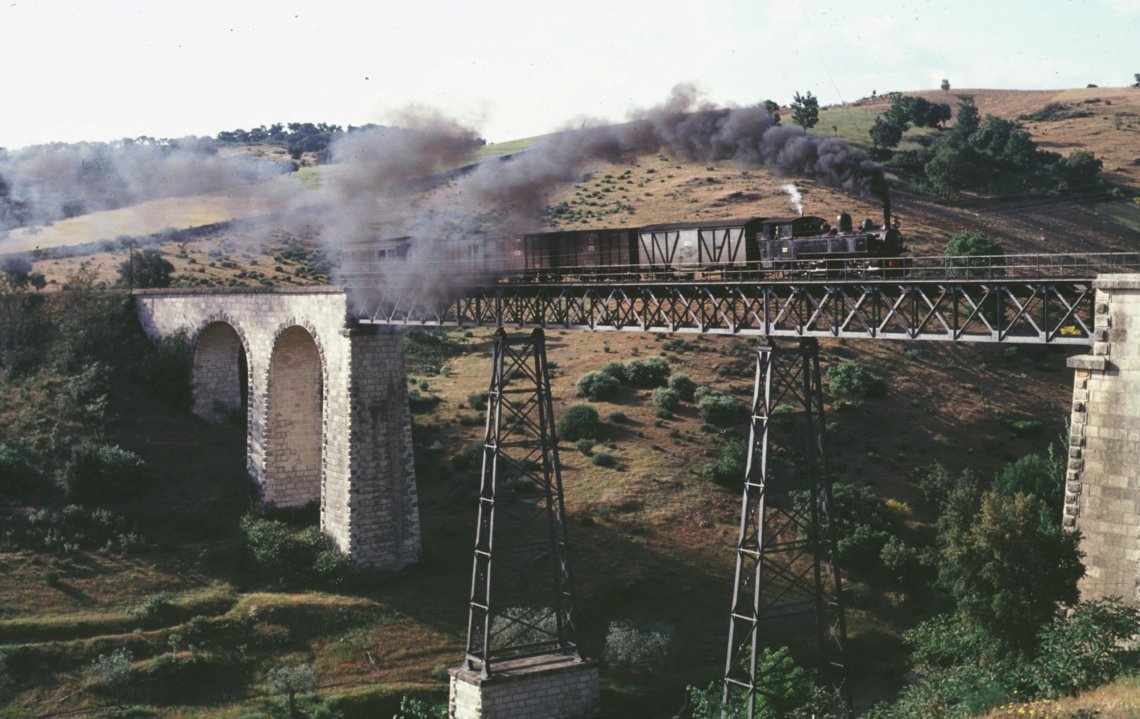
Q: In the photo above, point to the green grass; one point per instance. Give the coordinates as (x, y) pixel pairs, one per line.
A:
(1122, 214)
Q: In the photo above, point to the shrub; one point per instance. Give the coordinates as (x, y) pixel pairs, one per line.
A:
(524, 625)
(154, 609)
(667, 399)
(653, 372)
(683, 386)
(721, 410)
(477, 401)
(579, 421)
(617, 417)
(1091, 647)
(290, 559)
(787, 692)
(638, 651)
(615, 370)
(585, 445)
(597, 386)
(728, 471)
(111, 673)
(601, 459)
(853, 379)
(101, 471)
(413, 708)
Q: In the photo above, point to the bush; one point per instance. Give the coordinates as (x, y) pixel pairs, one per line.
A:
(290, 559)
(970, 251)
(585, 445)
(601, 459)
(615, 370)
(101, 471)
(598, 386)
(786, 692)
(617, 417)
(721, 410)
(477, 401)
(111, 673)
(653, 372)
(728, 471)
(579, 421)
(638, 651)
(413, 708)
(153, 610)
(1091, 647)
(853, 379)
(683, 386)
(667, 399)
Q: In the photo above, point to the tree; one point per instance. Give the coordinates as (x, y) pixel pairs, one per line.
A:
(1081, 170)
(949, 171)
(885, 135)
(773, 109)
(805, 110)
(945, 85)
(147, 268)
(970, 249)
(1005, 568)
(291, 680)
(968, 117)
(1137, 83)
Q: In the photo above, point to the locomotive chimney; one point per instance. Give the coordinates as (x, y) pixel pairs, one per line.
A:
(886, 213)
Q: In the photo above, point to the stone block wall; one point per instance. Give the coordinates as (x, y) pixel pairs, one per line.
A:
(1102, 490)
(538, 688)
(366, 477)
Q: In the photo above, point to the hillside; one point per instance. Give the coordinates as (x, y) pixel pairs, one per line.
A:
(652, 535)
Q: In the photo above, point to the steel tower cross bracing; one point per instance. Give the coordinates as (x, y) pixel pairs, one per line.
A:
(786, 557)
(522, 593)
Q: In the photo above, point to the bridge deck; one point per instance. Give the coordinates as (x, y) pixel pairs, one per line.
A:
(1042, 312)
(1034, 299)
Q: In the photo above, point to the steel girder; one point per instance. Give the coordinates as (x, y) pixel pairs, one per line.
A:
(520, 541)
(1010, 311)
(787, 562)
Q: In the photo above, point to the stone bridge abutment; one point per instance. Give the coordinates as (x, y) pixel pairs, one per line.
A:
(325, 406)
(1102, 491)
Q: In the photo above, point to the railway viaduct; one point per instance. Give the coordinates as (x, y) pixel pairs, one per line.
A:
(325, 406)
(318, 374)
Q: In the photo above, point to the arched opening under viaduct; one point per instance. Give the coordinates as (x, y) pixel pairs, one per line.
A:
(293, 421)
(220, 375)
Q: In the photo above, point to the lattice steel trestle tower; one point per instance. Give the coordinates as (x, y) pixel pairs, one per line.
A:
(786, 558)
(522, 594)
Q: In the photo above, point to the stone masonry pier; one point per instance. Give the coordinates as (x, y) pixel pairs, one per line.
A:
(1102, 492)
(325, 405)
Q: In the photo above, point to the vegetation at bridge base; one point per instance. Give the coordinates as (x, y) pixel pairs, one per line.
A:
(1006, 572)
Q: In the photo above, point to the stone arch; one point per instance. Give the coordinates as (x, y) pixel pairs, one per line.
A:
(221, 378)
(294, 423)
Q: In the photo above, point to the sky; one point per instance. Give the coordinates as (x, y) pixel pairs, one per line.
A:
(84, 70)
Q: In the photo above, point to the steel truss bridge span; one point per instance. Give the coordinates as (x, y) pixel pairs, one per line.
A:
(1038, 310)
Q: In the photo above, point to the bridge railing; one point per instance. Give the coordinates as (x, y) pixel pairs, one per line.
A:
(1069, 266)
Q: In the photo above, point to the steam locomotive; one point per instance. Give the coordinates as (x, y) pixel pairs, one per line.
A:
(742, 247)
